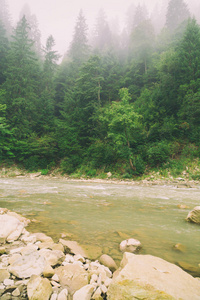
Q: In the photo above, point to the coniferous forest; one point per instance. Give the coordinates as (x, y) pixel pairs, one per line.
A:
(123, 101)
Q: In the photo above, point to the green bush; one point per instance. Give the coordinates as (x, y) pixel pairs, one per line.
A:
(44, 171)
(190, 150)
(34, 163)
(139, 165)
(69, 164)
(158, 153)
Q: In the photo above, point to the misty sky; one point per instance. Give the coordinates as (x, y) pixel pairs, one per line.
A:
(58, 17)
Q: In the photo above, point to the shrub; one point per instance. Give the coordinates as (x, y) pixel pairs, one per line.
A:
(158, 153)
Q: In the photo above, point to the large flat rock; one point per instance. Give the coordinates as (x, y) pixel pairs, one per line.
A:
(150, 277)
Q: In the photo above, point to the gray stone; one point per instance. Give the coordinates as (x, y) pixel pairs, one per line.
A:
(72, 277)
(28, 265)
(63, 295)
(4, 274)
(108, 261)
(194, 215)
(8, 282)
(130, 245)
(53, 257)
(39, 288)
(150, 277)
(48, 271)
(43, 238)
(73, 247)
(10, 228)
(16, 293)
(84, 293)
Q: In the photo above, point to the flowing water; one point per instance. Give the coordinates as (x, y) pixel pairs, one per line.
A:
(99, 216)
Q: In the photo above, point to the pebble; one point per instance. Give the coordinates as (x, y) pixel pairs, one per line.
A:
(55, 278)
(16, 292)
(8, 282)
(55, 284)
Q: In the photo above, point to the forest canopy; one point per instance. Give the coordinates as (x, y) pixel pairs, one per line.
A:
(124, 101)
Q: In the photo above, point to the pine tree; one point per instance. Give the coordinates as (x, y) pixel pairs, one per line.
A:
(3, 53)
(102, 39)
(79, 48)
(48, 86)
(177, 12)
(5, 17)
(142, 43)
(22, 82)
(33, 30)
(189, 53)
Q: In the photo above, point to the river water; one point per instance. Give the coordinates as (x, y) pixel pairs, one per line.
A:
(99, 216)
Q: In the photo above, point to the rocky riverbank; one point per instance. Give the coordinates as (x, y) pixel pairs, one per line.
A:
(33, 267)
(151, 180)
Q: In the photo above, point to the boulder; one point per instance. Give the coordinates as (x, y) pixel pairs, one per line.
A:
(10, 228)
(73, 247)
(84, 293)
(130, 245)
(63, 295)
(72, 277)
(39, 288)
(108, 261)
(43, 238)
(53, 257)
(194, 215)
(150, 277)
(4, 274)
(48, 271)
(28, 265)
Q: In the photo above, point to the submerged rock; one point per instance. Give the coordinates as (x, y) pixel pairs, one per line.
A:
(179, 247)
(194, 215)
(149, 277)
(73, 247)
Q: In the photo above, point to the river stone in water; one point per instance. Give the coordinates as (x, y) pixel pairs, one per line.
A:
(39, 288)
(28, 265)
(150, 277)
(194, 215)
(10, 228)
(73, 277)
(73, 247)
(130, 245)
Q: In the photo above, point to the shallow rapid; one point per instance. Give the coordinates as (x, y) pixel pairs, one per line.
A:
(100, 216)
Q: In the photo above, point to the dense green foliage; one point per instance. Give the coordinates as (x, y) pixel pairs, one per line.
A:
(122, 103)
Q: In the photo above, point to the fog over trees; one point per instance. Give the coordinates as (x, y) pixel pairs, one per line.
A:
(122, 98)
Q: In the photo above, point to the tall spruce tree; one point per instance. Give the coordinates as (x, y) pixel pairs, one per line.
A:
(33, 30)
(102, 35)
(3, 52)
(79, 48)
(22, 83)
(177, 12)
(5, 17)
(48, 86)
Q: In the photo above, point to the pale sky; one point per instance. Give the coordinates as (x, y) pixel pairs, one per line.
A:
(58, 17)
